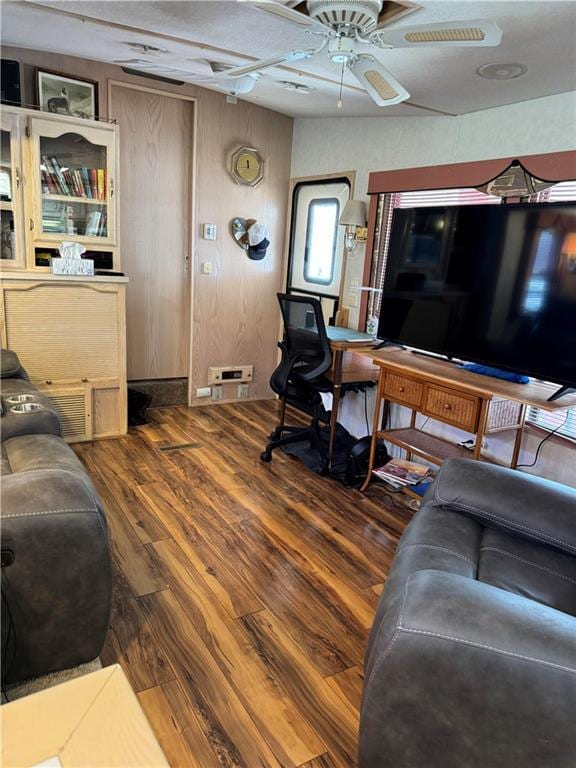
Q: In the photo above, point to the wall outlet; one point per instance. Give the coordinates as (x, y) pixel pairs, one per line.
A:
(243, 391)
(207, 268)
(217, 393)
(203, 392)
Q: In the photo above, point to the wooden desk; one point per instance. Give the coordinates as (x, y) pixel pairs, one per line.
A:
(94, 720)
(442, 391)
(348, 366)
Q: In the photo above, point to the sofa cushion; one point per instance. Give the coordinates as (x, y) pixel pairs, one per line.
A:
(537, 572)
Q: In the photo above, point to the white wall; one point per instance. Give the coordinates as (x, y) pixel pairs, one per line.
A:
(368, 144)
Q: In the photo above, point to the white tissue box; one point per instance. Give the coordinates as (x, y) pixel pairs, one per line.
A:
(72, 266)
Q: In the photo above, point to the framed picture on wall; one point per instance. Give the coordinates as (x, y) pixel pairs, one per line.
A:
(64, 95)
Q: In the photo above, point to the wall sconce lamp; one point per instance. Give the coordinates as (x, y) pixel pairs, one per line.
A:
(352, 217)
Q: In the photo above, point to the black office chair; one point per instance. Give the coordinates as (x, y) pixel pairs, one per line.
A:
(299, 379)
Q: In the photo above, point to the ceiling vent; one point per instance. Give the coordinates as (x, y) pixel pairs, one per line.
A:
(288, 85)
(145, 49)
(502, 71)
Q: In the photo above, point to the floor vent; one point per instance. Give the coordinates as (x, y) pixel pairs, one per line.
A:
(71, 409)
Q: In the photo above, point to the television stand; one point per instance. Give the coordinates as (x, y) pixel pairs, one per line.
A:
(565, 390)
(438, 390)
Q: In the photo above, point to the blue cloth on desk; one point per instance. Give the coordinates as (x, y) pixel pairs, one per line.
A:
(486, 370)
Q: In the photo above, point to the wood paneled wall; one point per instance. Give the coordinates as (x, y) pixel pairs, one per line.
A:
(234, 314)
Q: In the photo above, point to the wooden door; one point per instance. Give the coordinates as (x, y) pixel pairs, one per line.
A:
(156, 142)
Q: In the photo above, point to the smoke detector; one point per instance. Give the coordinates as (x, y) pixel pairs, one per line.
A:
(502, 71)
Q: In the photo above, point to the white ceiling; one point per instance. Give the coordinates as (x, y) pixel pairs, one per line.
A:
(539, 34)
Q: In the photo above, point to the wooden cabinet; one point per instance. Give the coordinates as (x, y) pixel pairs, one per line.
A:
(58, 183)
(63, 173)
(70, 335)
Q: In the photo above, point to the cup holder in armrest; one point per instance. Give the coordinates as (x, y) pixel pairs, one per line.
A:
(26, 408)
(17, 399)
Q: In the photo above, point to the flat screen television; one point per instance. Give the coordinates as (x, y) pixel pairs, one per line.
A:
(491, 284)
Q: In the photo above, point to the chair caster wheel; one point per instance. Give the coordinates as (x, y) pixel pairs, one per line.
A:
(266, 456)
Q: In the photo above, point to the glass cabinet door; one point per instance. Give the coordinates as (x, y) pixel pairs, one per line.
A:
(76, 187)
(11, 234)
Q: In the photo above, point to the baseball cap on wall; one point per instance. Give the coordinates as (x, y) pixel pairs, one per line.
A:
(257, 241)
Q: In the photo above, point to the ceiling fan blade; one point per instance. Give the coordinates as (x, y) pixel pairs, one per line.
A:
(477, 32)
(288, 14)
(381, 86)
(256, 66)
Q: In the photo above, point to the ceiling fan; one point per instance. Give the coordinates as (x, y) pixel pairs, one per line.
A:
(348, 26)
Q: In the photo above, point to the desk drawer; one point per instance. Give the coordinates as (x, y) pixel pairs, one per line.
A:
(403, 390)
(452, 407)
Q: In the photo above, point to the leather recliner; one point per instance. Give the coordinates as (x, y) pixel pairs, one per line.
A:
(56, 581)
(471, 661)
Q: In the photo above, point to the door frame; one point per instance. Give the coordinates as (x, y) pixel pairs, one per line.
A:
(192, 234)
(350, 176)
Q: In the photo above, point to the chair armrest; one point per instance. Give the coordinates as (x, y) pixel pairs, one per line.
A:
(530, 506)
(473, 676)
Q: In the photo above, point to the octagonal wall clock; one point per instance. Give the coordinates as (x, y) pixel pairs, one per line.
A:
(247, 166)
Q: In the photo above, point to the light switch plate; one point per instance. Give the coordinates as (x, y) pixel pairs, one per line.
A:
(207, 268)
(209, 231)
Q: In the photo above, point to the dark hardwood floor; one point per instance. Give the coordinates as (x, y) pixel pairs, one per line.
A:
(243, 591)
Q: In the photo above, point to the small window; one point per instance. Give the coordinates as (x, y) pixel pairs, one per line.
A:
(321, 236)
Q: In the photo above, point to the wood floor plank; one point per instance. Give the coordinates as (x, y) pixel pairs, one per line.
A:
(286, 731)
(349, 683)
(228, 727)
(329, 713)
(178, 731)
(130, 644)
(323, 761)
(130, 555)
(235, 595)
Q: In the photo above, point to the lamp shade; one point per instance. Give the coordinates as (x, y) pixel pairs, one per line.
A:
(354, 214)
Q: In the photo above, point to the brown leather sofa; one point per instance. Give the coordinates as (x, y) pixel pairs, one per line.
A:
(471, 661)
(56, 583)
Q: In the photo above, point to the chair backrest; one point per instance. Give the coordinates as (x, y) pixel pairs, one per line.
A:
(306, 344)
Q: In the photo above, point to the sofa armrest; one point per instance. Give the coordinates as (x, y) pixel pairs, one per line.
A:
(531, 507)
(473, 676)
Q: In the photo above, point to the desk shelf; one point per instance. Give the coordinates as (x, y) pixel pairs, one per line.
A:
(428, 447)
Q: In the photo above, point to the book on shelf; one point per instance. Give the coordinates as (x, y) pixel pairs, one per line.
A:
(72, 182)
(93, 223)
(402, 473)
(101, 183)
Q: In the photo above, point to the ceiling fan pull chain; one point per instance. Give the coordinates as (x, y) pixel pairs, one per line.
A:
(339, 102)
